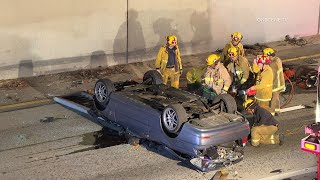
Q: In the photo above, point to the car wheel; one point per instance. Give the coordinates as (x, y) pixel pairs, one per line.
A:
(152, 77)
(102, 91)
(227, 103)
(173, 116)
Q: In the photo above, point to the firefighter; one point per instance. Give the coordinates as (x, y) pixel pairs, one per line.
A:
(236, 38)
(194, 77)
(239, 68)
(168, 62)
(265, 127)
(278, 80)
(264, 81)
(216, 79)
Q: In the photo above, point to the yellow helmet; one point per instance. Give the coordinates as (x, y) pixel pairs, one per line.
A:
(172, 40)
(212, 59)
(232, 52)
(249, 103)
(236, 36)
(268, 52)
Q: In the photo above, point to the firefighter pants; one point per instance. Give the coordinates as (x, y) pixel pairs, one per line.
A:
(170, 73)
(264, 104)
(264, 135)
(275, 103)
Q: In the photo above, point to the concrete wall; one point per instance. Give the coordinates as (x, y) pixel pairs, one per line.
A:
(44, 36)
(263, 21)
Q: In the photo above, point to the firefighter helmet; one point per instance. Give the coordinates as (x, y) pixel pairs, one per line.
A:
(212, 59)
(232, 52)
(172, 40)
(268, 52)
(263, 60)
(237, 36)
(249, 103)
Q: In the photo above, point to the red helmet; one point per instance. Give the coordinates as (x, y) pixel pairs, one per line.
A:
(263, 60)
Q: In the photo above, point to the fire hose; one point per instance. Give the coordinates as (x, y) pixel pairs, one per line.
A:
(291, 93)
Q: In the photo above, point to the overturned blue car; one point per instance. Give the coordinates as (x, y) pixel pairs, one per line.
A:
(208, 135)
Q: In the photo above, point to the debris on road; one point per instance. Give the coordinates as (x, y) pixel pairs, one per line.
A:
(221, 175)
(13, 97)
(22, 137)
(50, 119)
(76, 83)
(277, 171)
(255, 49)
(295, 41)
(93, 73)
(292, 108)
(310, 61)
(13, 84)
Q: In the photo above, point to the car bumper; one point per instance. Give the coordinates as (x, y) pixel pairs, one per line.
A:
(191, 139)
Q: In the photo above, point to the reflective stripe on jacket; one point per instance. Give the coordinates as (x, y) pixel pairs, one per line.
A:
(218, 78)
(264, 84)
(162, 59)
(278, 77)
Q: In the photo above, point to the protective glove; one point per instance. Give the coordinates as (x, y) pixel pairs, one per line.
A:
(190, 77)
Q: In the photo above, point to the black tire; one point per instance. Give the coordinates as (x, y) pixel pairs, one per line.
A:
(102, 90)
(173, 124)
(152, 77)
(227, 103)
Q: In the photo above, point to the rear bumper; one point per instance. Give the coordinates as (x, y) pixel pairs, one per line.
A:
(191, 139)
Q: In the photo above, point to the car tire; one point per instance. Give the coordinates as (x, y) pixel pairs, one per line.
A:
(228, 103)
(173, 116)
(152, 77)
(102, 90)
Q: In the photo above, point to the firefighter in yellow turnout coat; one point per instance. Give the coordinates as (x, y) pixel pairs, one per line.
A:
(278, 80)
(217, 76)
(168, 62)
(264, 81)
(236, 38)
(239, 67)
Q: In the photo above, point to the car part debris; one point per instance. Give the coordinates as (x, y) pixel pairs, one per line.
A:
(276, 171)
(218, 158)
(76, 83)
(50, 119)
(295, 41)
(292, 108)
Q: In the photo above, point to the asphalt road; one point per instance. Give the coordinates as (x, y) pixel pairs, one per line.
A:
(47, 142)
